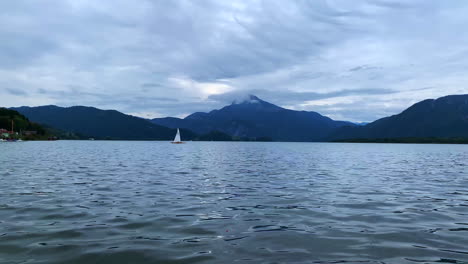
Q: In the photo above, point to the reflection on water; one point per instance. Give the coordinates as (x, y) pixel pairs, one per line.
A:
(214, 202)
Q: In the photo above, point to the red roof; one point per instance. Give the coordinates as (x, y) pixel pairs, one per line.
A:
(6, 131)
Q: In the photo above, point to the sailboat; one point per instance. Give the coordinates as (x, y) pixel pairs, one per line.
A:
(177, 138)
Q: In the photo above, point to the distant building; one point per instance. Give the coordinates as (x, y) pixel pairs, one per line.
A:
(5, 133)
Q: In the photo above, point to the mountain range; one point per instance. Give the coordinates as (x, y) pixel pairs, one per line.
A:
(253, 118)
(446, 117)
(97, 123)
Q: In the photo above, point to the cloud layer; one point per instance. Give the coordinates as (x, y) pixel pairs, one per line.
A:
(350, 60)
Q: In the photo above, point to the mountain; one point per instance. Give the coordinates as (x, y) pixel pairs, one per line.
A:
(255, 118)
(215, 136)
(250, 119)
(446, 117)
(20, 124)
(100, 124)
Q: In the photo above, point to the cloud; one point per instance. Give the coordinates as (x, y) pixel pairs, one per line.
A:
(176, 57)
(291, 97)
(16, 91)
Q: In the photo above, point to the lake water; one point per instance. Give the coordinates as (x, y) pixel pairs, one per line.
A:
(222, 202)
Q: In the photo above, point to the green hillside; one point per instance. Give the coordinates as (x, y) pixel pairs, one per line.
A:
(86, 122)
(11, 119)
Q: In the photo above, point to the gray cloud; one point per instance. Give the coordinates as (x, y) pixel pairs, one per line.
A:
(291, 97)
(150, 85)
(175, 57)
(16, 91)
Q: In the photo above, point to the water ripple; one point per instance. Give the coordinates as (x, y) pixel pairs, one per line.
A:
(214, 202)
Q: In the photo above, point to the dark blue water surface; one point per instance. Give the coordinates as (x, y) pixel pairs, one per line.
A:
(223, 202)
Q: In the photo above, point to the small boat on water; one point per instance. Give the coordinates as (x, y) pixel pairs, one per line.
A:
(177, 138)
(11, 140)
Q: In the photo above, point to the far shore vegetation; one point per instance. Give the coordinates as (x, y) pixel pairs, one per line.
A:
(408, 140)
(14, 125)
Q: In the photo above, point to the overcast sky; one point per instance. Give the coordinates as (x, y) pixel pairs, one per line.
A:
(349, 60)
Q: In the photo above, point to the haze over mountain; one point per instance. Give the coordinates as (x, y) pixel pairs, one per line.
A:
(252, 117)
(93, 122)
(444, 117)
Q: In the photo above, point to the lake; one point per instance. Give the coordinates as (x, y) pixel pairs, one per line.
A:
(232, 202)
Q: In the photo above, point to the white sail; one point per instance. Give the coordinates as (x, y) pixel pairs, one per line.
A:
(177, 137)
